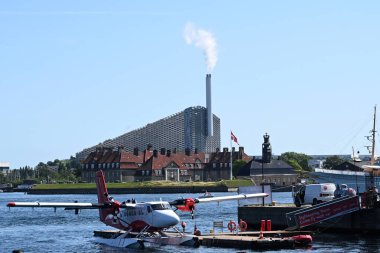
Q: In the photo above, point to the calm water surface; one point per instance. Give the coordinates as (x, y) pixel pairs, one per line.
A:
(43, 230)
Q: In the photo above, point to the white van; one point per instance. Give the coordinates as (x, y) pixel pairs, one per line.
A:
(313, 194)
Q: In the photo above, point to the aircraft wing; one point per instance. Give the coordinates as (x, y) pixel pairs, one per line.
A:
(57, 204)
(233, 197)
(188, 204)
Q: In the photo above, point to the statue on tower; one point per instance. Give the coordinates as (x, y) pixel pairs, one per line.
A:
(267, 150)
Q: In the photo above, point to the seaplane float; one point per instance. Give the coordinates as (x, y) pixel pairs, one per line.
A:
(141, 224)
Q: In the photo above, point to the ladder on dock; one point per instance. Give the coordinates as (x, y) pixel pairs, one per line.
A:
(312, 215)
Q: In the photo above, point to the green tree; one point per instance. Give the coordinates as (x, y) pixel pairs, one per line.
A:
(2, 178)
(296, 160)
(236, 165)
(332, 162)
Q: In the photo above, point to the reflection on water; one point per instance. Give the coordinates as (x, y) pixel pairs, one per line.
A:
(43, 230)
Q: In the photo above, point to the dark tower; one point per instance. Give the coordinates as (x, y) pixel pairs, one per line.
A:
(267, 149)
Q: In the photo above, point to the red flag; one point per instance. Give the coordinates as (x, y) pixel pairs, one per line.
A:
(233, 137)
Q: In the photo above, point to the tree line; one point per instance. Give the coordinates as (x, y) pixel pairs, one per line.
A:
(57, 171)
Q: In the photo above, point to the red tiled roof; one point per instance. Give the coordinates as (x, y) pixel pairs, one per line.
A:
(147, 160)
(130, 157)
(179, 160)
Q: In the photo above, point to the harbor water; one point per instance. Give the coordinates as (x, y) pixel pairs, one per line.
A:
(43, 230)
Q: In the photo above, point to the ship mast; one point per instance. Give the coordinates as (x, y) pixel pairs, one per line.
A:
(373, 138)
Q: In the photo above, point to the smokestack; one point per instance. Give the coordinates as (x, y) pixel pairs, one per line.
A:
(208, 105)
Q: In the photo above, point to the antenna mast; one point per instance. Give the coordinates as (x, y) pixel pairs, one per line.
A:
(373, 138)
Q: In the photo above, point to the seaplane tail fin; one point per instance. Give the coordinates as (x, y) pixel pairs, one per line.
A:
(102, 195)
(101, 187)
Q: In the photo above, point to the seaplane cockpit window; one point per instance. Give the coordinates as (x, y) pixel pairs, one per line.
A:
(149, 209)
(160, 206)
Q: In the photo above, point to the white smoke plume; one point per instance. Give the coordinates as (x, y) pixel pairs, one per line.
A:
(204, 40)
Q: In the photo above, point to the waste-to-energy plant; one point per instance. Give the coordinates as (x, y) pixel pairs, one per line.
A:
(194, 128)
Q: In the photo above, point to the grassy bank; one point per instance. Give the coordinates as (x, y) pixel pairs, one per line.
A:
(147, 184)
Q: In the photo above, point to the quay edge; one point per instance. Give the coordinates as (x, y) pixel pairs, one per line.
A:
(148, 190)
(365, 221)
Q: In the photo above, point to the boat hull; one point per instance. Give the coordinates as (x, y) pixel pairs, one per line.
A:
(353, 179)
(130, 243)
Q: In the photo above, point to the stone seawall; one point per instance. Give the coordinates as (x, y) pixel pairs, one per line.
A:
(147, 190)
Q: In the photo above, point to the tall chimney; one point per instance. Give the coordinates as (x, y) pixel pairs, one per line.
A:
(208, 105)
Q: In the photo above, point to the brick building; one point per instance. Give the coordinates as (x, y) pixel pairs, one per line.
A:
(120, 165)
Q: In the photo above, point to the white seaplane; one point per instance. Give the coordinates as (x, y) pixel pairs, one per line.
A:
(141, 223)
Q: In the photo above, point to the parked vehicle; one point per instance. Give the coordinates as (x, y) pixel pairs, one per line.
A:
(313, 194)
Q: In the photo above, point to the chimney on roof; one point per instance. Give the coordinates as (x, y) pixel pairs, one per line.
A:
(174, 150)
(149, 146)
(155, 153)
(241, 152)
(196, 151)
(187, 151)
(168, 153)
(225, 150)
(136, 151)
(163, 151)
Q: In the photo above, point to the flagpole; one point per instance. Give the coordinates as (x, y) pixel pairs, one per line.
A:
(231, 157)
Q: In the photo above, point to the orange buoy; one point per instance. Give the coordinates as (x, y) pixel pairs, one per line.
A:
(231, 226)
(243, 225)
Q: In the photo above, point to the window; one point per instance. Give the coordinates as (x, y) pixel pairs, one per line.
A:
(214, 165)
(161, 206)
(143, 172)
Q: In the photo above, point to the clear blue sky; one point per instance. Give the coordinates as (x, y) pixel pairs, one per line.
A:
(75, 73)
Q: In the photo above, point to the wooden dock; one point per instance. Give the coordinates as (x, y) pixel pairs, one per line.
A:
(246, 242)
(278, 239)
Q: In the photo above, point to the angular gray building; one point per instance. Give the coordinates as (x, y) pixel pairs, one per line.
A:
(188, 129)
